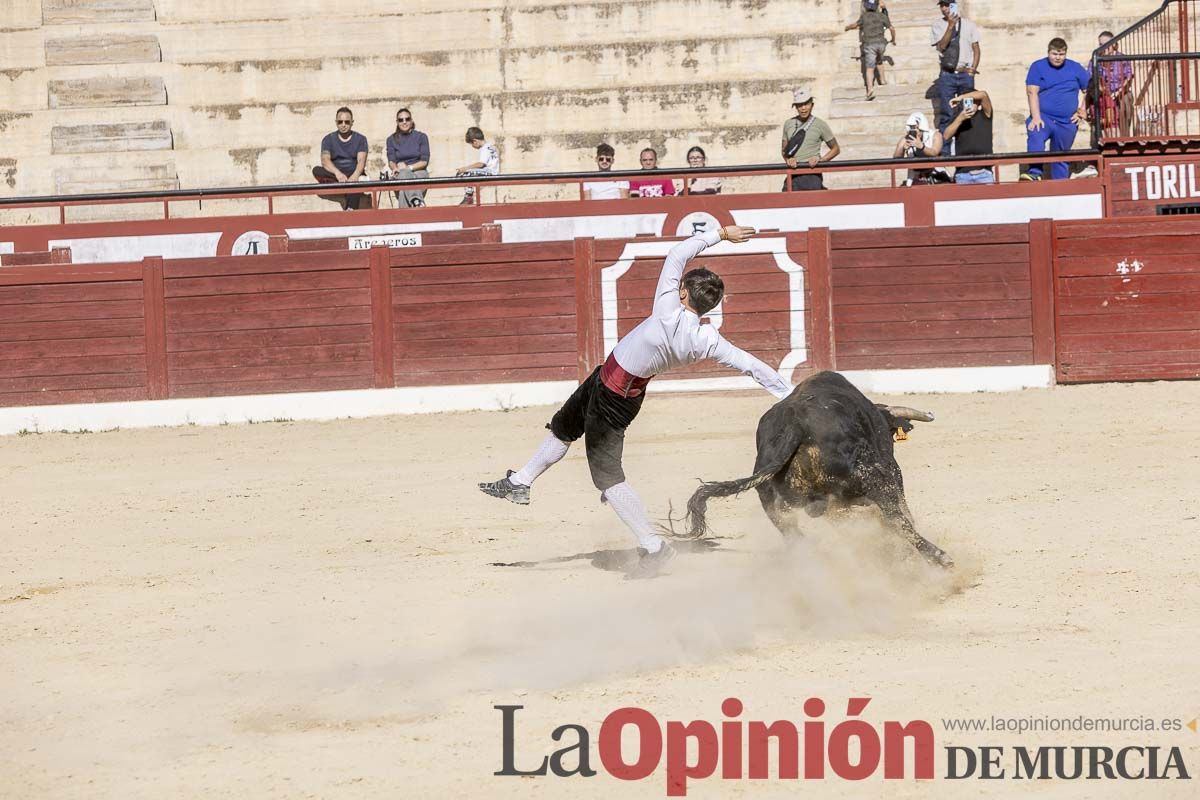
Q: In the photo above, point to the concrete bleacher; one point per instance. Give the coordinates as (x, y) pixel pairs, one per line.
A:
(155, 94)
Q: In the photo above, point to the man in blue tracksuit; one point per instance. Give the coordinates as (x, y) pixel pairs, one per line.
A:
(1053, 86)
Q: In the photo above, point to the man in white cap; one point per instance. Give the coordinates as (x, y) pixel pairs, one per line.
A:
(920, 140)
(803, 136)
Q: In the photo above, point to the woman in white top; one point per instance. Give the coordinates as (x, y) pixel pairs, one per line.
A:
(705, 185)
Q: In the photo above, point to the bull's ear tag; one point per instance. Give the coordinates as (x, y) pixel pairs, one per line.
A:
(900, 435)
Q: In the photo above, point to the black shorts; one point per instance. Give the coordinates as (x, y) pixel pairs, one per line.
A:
(601, 416)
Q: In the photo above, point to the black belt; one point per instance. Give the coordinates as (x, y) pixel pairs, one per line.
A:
(957, 69)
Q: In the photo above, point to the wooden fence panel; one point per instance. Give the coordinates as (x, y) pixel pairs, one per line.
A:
(933, 297)
(491, 313)
(72, 339)
(1127, 300)
(268, 323)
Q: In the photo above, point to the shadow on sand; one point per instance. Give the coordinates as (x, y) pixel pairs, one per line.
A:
(614, 560)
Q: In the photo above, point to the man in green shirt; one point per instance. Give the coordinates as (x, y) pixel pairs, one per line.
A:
(873, 23)
(803, 136)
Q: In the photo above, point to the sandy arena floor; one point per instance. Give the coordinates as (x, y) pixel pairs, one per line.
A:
(305, 610)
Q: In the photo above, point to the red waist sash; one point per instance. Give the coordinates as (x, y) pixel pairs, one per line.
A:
(614, 376)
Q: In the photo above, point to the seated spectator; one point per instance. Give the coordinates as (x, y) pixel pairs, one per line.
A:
(970, 134)
(803, 136)
(1052, 86)
(873, 26)
(920, 140)
(408, 157)
(488, 163)
(706, 185)
(605, 190)
(660, 187)
(343, 159)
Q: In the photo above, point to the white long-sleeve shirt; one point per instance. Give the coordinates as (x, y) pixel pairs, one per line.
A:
(672, 335)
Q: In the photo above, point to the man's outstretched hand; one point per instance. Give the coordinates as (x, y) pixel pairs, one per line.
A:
(737, 233)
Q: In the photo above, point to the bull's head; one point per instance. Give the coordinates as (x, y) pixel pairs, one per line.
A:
(900, 419)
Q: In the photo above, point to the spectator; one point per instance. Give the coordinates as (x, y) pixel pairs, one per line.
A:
(1116, 97)
(660, 187)
(343, 158)
(957, 43)
(488, 163)
(872, 23)
(1053, 85)
(408, 157)
(803, 136)
(605, 190)
(970, 133)
(920, 140)
(706, 185)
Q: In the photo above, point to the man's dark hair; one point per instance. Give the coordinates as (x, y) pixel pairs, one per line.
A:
(473, 134)
(1109, 34)
(704, 289)
(604, 149)
(345, 109)
(648, 150)
(1057, 43)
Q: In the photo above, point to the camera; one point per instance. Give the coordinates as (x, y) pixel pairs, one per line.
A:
(968, 104)
(954, 9)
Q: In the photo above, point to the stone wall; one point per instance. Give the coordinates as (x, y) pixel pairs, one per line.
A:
(100, 95)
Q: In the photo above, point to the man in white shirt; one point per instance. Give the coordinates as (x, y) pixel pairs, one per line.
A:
(488, 163)
(957, 43)
(605, 404)
(605, 190)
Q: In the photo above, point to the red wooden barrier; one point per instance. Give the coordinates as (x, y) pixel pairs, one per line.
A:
(72, 334)
(1127, 300)
(932, 297)
(56, 255)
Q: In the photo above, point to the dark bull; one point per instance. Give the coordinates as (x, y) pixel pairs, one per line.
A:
(826, 446)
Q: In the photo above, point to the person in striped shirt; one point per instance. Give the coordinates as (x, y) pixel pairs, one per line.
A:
(607, 402)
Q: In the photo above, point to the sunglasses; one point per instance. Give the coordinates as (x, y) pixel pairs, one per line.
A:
(345, 122)
(403, 119)
(604, 158)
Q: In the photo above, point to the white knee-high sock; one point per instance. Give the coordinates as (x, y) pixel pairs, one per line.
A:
(629, 508)
(549, 453)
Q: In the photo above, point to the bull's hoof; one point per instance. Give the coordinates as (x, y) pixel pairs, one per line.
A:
(938, 557)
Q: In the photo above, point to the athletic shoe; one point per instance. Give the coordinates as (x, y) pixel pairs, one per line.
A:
(1087, 172)
(1030, 176)
(650, 565)
(507, 490)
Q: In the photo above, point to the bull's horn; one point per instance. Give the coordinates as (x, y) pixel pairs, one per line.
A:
(904, 412)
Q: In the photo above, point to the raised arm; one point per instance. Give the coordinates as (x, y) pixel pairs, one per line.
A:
(666, 295)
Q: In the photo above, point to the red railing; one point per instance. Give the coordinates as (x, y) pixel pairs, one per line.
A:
(1147, 80)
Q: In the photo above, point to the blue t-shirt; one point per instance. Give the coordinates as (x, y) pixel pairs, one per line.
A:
(344, 154)
(1058, 89)
(408, 148)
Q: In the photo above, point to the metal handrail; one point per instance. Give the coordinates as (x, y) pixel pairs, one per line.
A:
(359, 187)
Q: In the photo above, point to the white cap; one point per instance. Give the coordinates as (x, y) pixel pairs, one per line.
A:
(918, 120)
(801, 96)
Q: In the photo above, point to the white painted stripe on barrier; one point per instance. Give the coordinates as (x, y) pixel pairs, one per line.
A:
(360, 403)
(952, 379)
(801, 218)
(1017, 209)
(293, 406)
(110, 249)
(6, 247)
(338, 231)
(599, 226)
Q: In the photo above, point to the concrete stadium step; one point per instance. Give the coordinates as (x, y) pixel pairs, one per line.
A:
(74, 12)
(103, 49)
(114, 138)
(103, 92)
(104, 176)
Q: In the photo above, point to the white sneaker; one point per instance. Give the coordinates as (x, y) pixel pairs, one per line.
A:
(1087, 172)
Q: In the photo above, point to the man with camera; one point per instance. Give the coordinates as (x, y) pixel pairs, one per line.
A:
(957, 43)
(920, 140)
(970, 134)
(803, 136)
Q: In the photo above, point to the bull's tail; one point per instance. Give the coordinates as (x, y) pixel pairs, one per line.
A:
(697, 506)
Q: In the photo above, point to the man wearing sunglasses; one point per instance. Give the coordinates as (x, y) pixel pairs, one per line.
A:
(408, 157)
(343, 159)
(606, 190)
